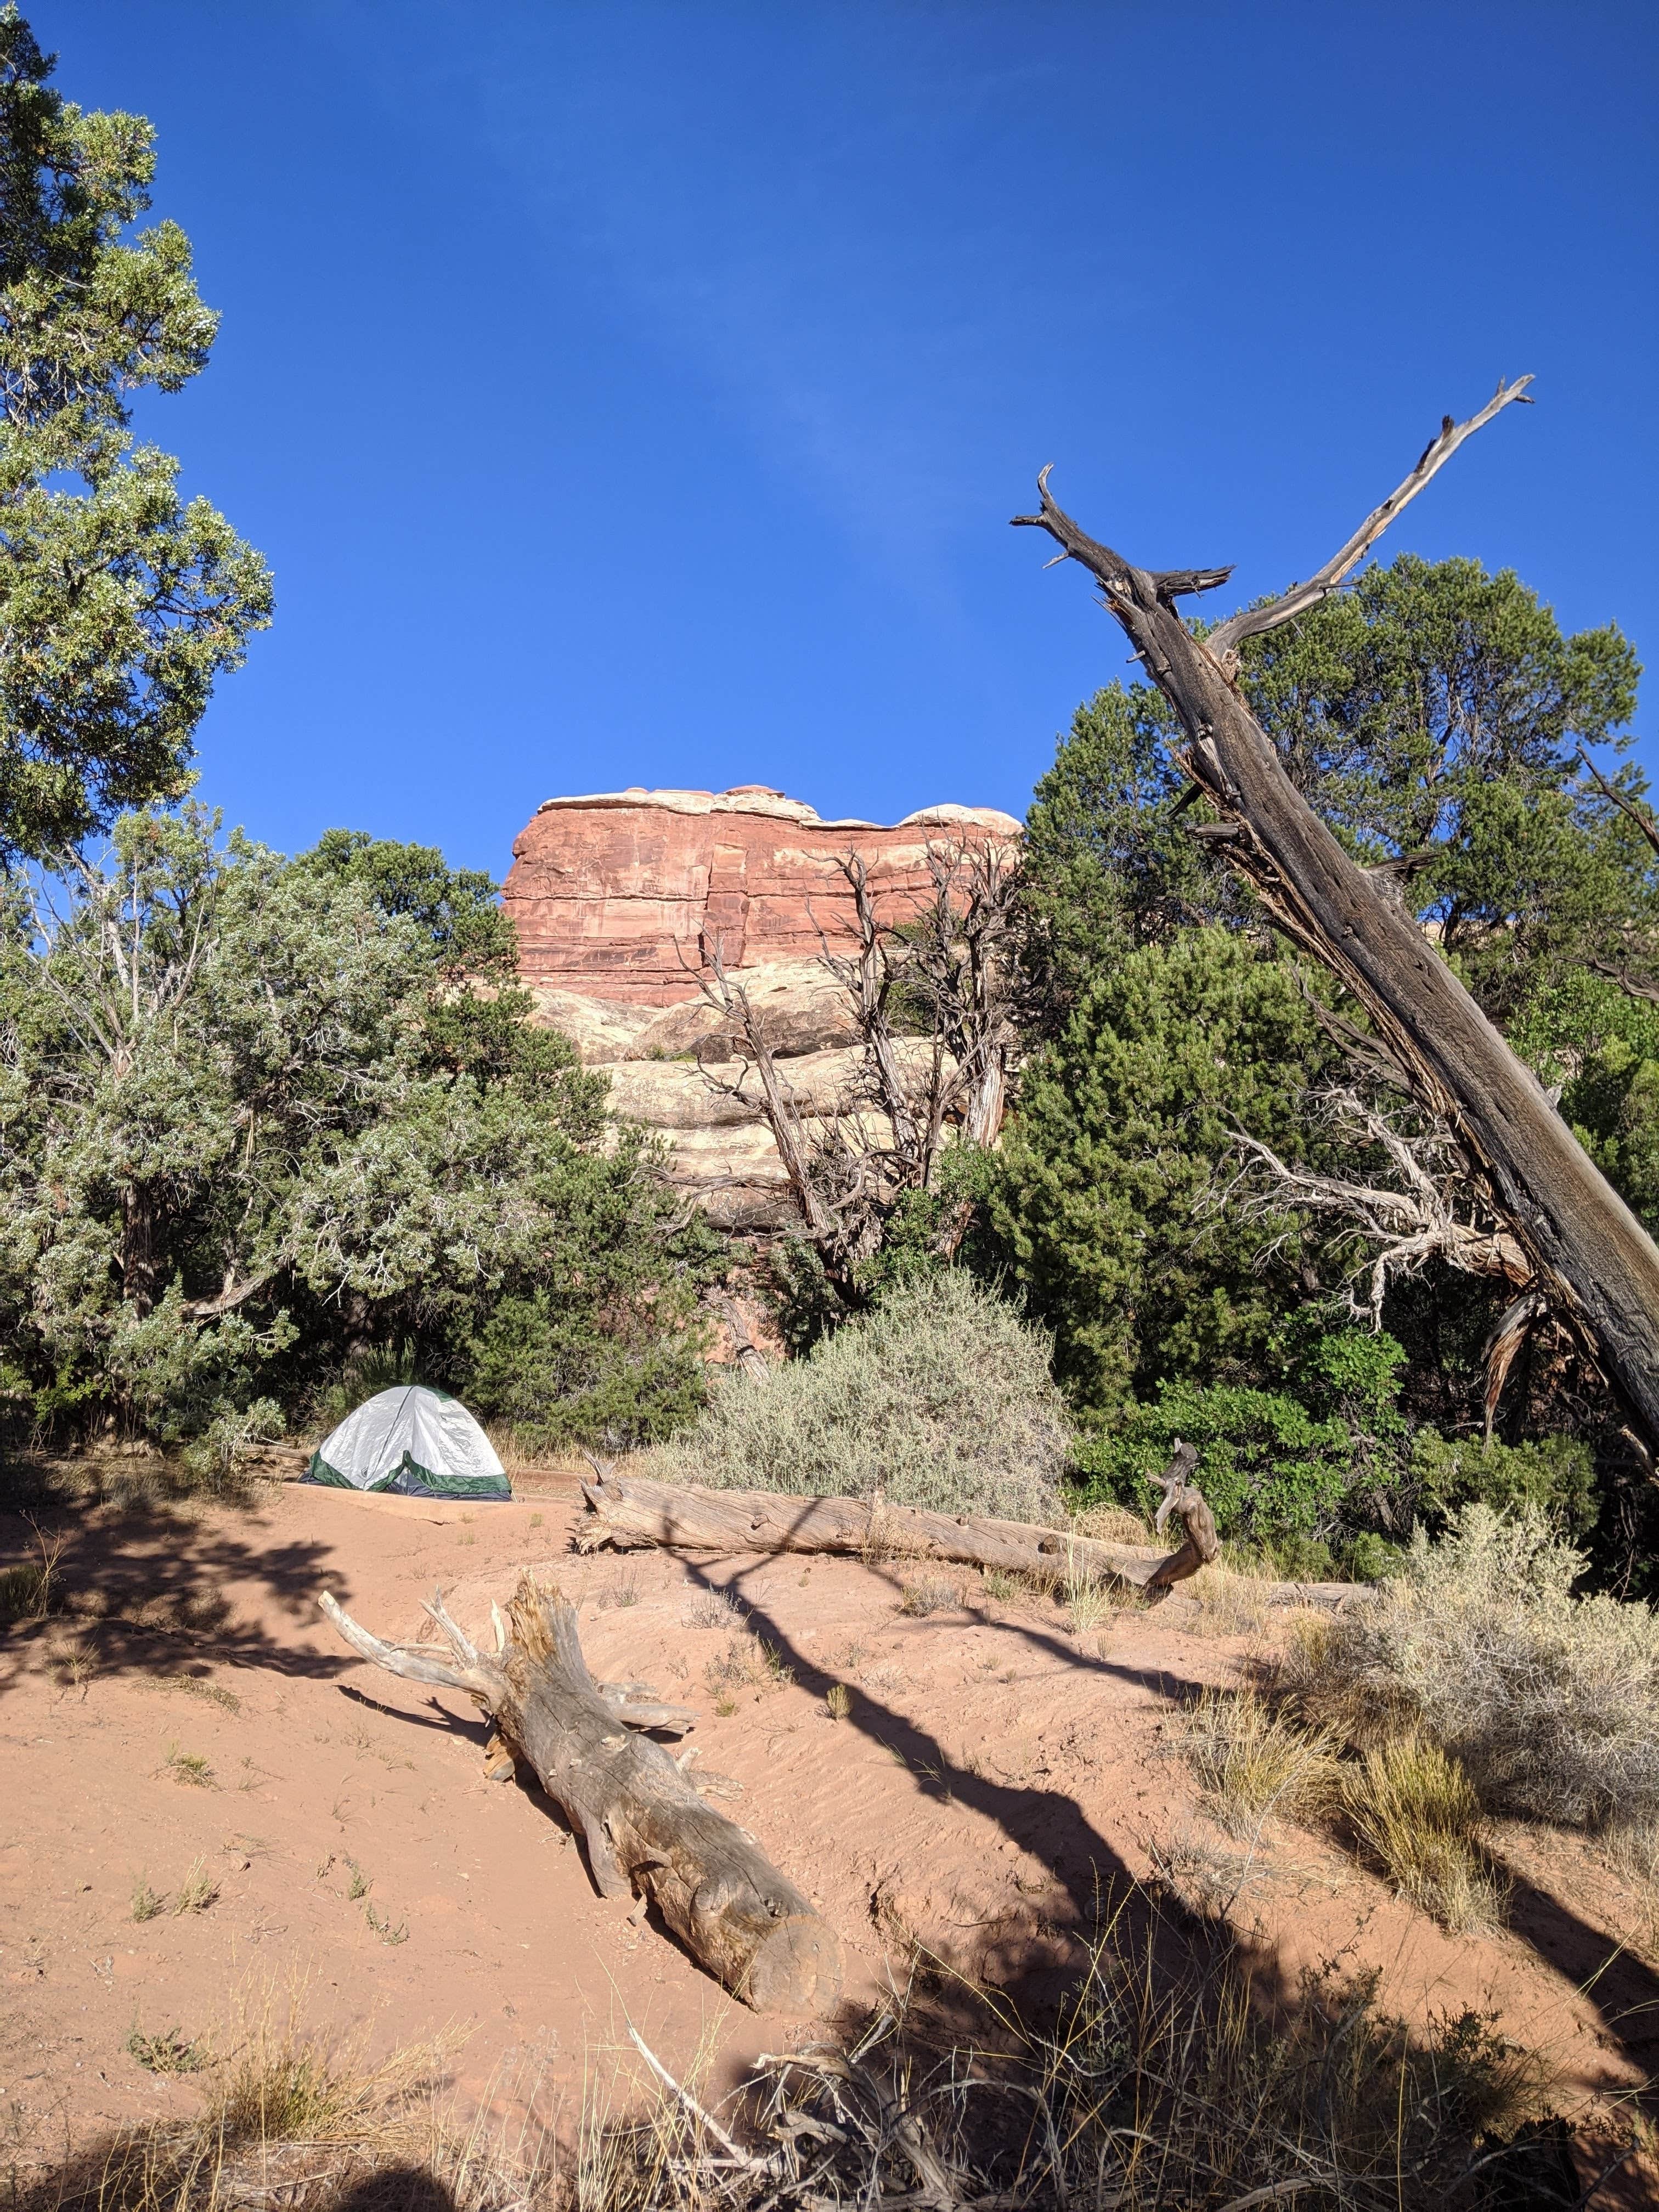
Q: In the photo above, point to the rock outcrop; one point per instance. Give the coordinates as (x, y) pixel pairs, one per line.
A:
(622, 899)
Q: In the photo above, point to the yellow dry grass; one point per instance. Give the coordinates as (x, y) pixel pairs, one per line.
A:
(1417, 1815)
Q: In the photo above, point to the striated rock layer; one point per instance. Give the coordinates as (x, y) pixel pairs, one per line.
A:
(622, 898)
(625, 895)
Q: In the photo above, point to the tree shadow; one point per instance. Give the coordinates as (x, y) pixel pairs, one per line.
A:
(1091, 1885)
(1622, 1990)
(142, 1591)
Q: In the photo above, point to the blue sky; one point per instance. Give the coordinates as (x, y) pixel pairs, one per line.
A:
(638, 393)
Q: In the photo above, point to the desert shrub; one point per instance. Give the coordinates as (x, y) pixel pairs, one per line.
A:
(1418, 1815)
(930, 1594)
(1292, 1472)
(1550, 1701)
(1557, 1474)
(941, 1396)
(325, 1122)
(1269, 1469)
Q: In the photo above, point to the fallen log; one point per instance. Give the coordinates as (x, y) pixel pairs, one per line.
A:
(647, 1829)
(630, 1511)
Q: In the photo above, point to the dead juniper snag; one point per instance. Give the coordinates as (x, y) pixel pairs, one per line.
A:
(1584, 1249)
(647, 1829)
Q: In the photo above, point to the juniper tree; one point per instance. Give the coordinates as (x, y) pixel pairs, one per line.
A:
(250, 1130)
(120, 601)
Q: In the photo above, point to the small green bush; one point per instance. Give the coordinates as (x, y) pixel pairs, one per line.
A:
(941, 1397)
(1270, 1471)
(1557, 1475)
(1371, 1558)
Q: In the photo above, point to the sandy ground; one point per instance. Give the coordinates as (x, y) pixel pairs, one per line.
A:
(997, 1776)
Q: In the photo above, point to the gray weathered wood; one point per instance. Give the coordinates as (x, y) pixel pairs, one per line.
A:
(646, 1828)
(1183, 1497)
(629, 1511)
(1589, 1251)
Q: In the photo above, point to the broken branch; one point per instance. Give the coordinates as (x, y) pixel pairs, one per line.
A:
(646, 1827)
(1250, 622)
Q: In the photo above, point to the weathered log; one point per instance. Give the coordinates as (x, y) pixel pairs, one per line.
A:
(1183, 1497)
(646, 1828)
(1590, 1253)
(630, 1511)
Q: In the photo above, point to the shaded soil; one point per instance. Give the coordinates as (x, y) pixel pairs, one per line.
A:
(996, 1785)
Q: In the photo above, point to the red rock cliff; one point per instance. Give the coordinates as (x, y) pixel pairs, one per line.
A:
(623, 896)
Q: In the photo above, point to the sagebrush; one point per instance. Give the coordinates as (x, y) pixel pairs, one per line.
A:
(1549, 1702)
(940, 1397)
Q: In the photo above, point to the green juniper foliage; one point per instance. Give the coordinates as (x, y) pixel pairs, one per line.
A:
(1108, 1199)
(120, 601)
(257, 1116)
(1434, 716)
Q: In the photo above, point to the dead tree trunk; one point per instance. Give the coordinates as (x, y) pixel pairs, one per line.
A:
(1590, 1254)
(630, 1511)
(1183, 1498)
(646, 1826)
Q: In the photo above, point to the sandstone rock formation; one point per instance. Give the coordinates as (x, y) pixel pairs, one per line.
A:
(623, 899)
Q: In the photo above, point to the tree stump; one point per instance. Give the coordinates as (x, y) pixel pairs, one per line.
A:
(646, 1828)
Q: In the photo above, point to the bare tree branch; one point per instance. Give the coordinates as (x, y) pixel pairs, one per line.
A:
(1626, 806)
(1250, 622)
(1401, 1226)
(1592, 1256)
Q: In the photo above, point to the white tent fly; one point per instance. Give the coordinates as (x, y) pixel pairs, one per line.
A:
(418, 1441)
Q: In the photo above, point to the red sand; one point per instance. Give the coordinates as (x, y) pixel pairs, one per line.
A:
(996, 1773)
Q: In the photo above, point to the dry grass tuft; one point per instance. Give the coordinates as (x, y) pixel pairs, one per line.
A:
(194, 1685)
(930, 1594)
(196, 1891)
(189, 1769)
(1253, 1761)
(1173, 2082)
(1089, 1602)
(748, 1662)
(715, 1608)
(147, 1903)
(290, 2123)
(1229, 1604)
(1113, 1524)
(29, 1591)
(1006, 1586)
(1416, 1814)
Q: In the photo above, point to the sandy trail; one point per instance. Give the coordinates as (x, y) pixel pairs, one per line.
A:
(997, 1776)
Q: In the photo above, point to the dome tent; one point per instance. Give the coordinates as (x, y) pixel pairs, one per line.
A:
(420, 1442)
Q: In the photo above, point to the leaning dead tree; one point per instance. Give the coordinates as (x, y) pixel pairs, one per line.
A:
(646, 1828)
(1589, 1253)
(931, 1002)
